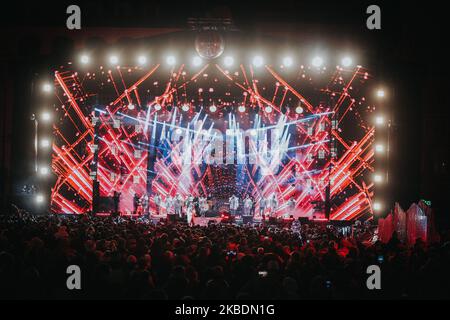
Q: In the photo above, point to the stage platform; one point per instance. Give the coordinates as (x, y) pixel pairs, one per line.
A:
(205, 221)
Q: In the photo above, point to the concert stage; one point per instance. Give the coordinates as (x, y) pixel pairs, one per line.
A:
(289, 140)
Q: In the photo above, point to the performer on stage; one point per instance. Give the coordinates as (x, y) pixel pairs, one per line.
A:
(210, 201)
(290, 207)
(169, 204)
(203, 203)
(116, 199)
(190, 210)
(197, 206)
(273, 205)
(253, 206)
(234, 204)
(157, 200)
(178, 205)
(248, 204)
(136, 203)
(262, 206)
(144, 203)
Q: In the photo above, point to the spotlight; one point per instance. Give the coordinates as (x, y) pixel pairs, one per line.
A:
(113, 59)
(258, 61)
(317, 62)
(185, 107)
(230, 132)
(347, 61)
(157, 107)
(84, 59)
(380, 93)
(178, 131)
(379, 148)
(253, 132)
(197, 61)
(287, 61)
(299, 110)
(44, 171)
(379, 120)
(39, 198)
(213, 108)
(241, 109)
(46, 116)
(142, 60)
(229, 61)
(377, 178)
(45, 143)
(47, 87)
(268, 109)
(131, 106)
(376, 206)
(170, 60)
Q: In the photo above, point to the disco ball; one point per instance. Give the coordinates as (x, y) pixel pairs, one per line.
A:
(209, 45)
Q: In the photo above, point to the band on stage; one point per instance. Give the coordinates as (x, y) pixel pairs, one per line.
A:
(179, 207)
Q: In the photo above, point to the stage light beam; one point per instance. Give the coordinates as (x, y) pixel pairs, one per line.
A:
(213, 108)
(378, 178)
(84, 59)
(197, 61)
(113, 59)
(142, 60)
(230, 132)
(379, 148)
(379, 120)
(47, 87)
(317, 62)
(288, 61)
(46, 116)
(228, 61)
(376, 206)
(44, 171)
(170, 60)
(40, 198)
(347, 61)
(258, 61)
(45, 143)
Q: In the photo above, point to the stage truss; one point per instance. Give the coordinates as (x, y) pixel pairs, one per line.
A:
(116, 125)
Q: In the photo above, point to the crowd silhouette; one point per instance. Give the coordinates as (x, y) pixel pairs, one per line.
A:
(123, 258)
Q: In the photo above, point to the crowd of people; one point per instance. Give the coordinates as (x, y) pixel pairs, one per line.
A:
(124, 258)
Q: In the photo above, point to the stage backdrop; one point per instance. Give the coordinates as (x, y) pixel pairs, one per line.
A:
(303, 133)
